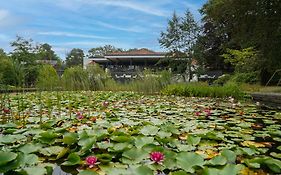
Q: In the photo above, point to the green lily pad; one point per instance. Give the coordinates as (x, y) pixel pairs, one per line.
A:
(35, 170)
(72, 159)
(193, 140)
(218, 160)
(188, 161)
(70, 138)
(149, 130)
(30, 148)
(87, 172)
(141, 141)
(6, 157)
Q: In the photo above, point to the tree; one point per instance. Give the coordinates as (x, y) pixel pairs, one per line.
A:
(24, 51)
(75, 58)
(239, 24)
(180, 38)
(45, 52)
(101, 51)
(47, 78)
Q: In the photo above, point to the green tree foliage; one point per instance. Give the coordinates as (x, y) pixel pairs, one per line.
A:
(239, 24)
(180, 38)
(24, 51)
(101, 51)
(75, 78)
(75, 58)
(245, 60)
(97, 77)
(48, 78)
(45, 52)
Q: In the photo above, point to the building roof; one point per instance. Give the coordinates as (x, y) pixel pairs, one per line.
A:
(140, 52)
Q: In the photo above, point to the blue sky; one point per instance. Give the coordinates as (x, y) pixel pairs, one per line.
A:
(67, 24)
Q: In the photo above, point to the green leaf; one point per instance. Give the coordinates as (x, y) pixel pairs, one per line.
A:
(218, 160)
(72, 159)
(87, 144)
(31, 159)
(70, 138)
(135, 155)
(35, 170)
(87, 172)
(19, 161)
(63, 152)
(141, 141)
(229, 155)
(8, 139)
(143, 170)
(188, 161)
(193, 140)
(6, 157)
(122, 139)
(52, 150)
(30, 148)
(48, 137)
(274, 165)
(231, 169)
(179, 173)
(149, 130)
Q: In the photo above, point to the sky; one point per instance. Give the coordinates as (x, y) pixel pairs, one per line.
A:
(85, 24)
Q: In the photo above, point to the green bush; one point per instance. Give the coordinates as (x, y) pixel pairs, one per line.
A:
(250, 78)
(223, 79)
(97, 77)
(75, 78)
(48, 78)
(203, 90)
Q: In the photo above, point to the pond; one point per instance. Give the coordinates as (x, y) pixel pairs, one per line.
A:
(109, 133)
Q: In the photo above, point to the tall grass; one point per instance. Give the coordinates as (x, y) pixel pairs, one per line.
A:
(148, 83)
(204, 90)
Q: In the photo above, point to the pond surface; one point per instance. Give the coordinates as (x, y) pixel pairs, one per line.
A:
(195, 135)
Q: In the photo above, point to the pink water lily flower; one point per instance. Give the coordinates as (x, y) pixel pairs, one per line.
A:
(79, 115)
(208, 112)
(105, 103)
(197, 113)
(157, 157)
(91, 161)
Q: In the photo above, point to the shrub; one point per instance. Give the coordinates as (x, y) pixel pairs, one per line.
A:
(48, 78)
(223, 79)
(203, 90)
(250, 78)
(75, 78)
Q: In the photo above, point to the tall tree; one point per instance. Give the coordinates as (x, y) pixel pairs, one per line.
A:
(45, 52)
(180, 38)
(75, 58)
(23, 51)
(241, 24)
(101, 51)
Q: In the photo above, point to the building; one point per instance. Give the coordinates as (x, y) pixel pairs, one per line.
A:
(127, 65)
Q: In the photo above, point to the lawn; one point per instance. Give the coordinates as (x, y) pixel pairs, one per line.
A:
(90, 133)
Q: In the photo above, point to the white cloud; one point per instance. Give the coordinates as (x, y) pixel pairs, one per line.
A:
(136, 29)
(68, 34)
(90, 44)
(4, 14)
(7, 19)
(128, 4)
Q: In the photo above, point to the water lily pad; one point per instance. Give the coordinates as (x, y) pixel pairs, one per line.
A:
(70, 138)
(72, 159)
(6, 157)
(188, 161)
(149, 130)
(35, 170)
(30, 148)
